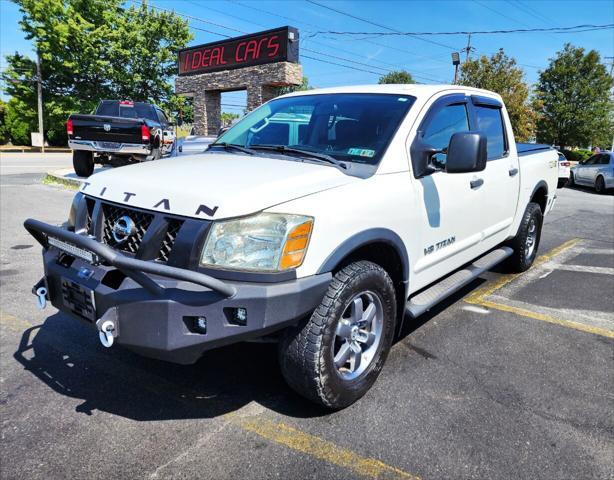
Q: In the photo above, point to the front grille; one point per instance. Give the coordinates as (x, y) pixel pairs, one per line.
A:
(112, 214)
(169, 239)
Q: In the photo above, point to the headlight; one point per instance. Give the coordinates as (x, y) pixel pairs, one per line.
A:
(263, 242)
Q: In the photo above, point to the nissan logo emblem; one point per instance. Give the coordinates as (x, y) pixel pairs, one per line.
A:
(123, 228)
(107, 127)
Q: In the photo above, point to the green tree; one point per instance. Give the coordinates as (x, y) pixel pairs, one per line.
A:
(91, 50)
(295, 88)
(500, 74)
(577, 107)
(398, 76)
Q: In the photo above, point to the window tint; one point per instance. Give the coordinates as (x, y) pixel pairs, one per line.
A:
(490, 124)
(591, 160)
(604, 159)
(446, 122)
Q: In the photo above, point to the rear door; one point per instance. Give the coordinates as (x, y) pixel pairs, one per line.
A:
(501, 178)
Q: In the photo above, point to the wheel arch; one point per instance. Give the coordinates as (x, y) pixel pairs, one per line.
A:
(540, 195)
(381, 246)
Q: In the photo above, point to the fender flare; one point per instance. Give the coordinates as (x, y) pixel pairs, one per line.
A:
(364, 238)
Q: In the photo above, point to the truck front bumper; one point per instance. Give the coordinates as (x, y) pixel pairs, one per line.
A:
(110, 147)
(164, 319)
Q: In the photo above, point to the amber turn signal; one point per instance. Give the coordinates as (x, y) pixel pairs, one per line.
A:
(296, 246)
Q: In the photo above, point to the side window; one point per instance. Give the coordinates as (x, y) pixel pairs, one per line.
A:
(591, 160)
(604, 159)
(162, 117)
(446, 122)
(490, 123)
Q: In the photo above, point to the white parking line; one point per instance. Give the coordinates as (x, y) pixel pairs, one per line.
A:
(586, 269)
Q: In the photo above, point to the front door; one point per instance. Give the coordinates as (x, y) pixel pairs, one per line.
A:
(453, 206)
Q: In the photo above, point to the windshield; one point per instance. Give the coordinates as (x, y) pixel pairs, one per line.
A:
(352, 127)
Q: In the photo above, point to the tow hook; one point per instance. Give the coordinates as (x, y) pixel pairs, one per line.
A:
(106, 333)
(41, 297)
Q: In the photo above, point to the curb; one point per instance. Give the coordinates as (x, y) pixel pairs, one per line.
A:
(59, 177)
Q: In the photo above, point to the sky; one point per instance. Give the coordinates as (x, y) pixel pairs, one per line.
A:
(353, 60)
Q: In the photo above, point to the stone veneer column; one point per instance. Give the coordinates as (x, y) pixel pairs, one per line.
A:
(259, 94)
(207, 112)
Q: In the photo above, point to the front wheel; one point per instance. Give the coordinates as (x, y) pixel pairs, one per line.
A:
(600, 185)
(526, 241)
(335, 356)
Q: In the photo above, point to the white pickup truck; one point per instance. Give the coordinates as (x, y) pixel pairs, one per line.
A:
(323, 219)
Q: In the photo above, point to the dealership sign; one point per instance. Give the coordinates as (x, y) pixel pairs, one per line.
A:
(278, 45)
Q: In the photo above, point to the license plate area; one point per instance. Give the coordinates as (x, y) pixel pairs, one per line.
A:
(79, 299)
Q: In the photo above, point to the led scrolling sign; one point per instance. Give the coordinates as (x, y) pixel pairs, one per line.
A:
(278, 45)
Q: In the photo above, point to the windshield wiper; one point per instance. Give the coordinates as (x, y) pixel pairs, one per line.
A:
(231, 146)
(298, 151)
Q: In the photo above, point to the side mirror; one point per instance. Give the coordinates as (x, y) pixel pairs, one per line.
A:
(466, 153)
(222, 130)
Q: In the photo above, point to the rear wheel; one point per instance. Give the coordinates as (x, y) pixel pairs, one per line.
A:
(83, 162)
(336, 355)
(600, 184)
(572, 181)
(526, 241)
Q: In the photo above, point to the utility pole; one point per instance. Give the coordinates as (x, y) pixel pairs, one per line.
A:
(468, 49)
(611, 59)
(39, 83)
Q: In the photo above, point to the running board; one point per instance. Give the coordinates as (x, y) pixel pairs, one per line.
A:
(427, 299)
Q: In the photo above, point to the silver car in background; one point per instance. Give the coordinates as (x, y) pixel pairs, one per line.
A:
(194, 143)
(596, 171)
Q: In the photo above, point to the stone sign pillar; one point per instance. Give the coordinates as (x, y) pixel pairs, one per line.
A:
(259, 63)
(260, 81)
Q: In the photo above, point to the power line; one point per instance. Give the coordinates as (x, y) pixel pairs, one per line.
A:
(500, 14)
(341, 12)
(574, 29)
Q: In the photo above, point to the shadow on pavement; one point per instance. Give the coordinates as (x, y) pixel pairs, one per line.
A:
(68, 357)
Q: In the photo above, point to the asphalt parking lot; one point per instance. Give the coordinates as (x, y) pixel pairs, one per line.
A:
(511, 378)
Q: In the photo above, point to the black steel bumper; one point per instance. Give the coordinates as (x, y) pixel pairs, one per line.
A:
(153, 307)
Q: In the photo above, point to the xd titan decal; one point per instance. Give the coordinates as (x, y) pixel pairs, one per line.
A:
(439, 245)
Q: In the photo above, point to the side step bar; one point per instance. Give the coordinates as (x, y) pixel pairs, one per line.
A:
(428, 298)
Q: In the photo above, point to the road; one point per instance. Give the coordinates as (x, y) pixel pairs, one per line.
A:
(511, 378)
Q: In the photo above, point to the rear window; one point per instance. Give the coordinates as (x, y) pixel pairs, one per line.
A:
(135, 110)
(490, 123)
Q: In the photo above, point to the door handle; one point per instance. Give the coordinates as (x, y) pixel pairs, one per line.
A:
(513, 172)
(477, 183)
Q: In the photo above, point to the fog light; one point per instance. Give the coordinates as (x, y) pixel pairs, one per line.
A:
(200, 324)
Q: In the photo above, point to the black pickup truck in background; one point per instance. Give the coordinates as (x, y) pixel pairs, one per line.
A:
(120, 132)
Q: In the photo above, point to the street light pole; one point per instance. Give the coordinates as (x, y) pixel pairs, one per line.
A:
(40, 101)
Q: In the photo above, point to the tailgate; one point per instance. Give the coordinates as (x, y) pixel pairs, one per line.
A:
(106, 129)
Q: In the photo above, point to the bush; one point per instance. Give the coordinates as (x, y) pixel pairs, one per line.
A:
(576, 155)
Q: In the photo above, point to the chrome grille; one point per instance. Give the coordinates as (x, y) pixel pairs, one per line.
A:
(141, 220)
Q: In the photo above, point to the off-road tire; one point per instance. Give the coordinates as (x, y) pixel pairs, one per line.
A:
(521, 260)
(600, 185)
(83, 162)
(305, 355)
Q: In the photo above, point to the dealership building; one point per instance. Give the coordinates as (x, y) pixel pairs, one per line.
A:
(258, 63)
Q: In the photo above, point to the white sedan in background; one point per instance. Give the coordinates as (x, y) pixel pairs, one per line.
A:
(596, 171)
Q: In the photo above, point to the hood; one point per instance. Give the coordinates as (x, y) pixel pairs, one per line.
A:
(213, 185)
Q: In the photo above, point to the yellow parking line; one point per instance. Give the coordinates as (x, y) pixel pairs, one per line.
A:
(547, 318)
(479, 296)
(276, 432)
(316, 447)
(490, 288)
